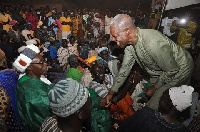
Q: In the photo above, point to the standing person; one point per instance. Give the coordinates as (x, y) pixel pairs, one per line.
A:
(166, 23)
(5, 18)
(66, 23)
(168, 64)
(108, 19)
(32, 98)
(32, 18)
(187, 27)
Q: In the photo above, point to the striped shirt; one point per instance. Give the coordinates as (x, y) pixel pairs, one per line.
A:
(102, 89)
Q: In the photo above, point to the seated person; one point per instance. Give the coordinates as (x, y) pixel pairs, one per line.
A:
(70, 103)
(104, 58)
(93, 48)
(173, 103)
(32, 99)
(99, 88)
(74, 71)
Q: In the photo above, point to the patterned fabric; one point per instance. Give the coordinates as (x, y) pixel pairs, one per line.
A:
(76, 21)
(86, 78)
(63, 55)
(195, 124)
(3, 105)
(83, 51)
(184, 38)
(102, 89)
(139, 90)
(100, 116)
(42, 35)
(66, 97)
(102, 62)
(2, 59)
(72, 50)
(93, 53)
(8, 99)
(50, 125)
(32, 102)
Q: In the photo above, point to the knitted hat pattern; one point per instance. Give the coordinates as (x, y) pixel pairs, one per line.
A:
(66, 97)
(26, 57)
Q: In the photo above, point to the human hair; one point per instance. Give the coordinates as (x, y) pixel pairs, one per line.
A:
(72, 58)
(165, 104)
(122, 22)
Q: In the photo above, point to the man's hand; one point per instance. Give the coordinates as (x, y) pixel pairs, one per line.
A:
(150, 91)
(109, 97)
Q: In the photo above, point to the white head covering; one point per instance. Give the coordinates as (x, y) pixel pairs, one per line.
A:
(181, 97)
(26, 57)
(28, 42)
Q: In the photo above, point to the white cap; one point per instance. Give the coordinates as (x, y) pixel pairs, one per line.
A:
(181, 97)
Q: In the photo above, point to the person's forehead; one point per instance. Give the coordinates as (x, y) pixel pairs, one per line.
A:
(37, 57)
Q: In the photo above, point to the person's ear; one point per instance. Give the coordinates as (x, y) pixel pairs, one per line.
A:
(127, 31)
(80, 114)
(29, 68)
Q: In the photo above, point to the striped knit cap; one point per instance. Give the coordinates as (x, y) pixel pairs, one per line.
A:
(26, 57)
(66, 97)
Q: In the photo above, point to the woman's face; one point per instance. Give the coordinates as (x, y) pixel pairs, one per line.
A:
(104, 55)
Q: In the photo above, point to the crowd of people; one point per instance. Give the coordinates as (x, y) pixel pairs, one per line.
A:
(100, 71)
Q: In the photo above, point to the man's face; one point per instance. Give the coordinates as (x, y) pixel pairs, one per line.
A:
(119, 37)
(99, 72)
(39, 67)
(72, 41)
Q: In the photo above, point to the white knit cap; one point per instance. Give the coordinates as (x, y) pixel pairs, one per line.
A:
(26, 57)
(181, 97)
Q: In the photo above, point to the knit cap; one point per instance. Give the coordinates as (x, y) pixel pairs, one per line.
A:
(66, 97)
(26, 57)
(181, 97)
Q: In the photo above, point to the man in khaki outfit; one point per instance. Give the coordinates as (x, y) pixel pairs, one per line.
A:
(168, 64)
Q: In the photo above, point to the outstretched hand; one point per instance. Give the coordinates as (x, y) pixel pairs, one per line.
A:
(150, 91)
(108, 98)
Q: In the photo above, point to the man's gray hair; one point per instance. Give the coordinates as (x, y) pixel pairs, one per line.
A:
(122, 21)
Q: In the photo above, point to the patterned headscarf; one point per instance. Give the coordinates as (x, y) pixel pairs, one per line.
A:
(66, 97)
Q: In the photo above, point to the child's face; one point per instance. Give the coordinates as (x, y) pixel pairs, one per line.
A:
(104, 55)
